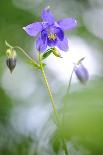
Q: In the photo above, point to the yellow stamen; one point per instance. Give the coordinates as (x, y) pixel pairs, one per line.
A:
(52, 36)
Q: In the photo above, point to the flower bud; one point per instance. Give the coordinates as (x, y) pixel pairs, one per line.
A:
(81, 73)
(11, 59)
(56, 52)
(11, 63)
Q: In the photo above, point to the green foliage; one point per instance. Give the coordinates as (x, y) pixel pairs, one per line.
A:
(56, 142)
(83, 115)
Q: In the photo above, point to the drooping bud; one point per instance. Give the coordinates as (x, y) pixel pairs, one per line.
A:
(81, 73)
(56, 52)
(11, 59)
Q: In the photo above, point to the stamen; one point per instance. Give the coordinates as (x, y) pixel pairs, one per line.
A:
(52, 36)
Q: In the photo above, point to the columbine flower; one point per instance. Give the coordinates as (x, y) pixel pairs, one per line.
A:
(81, 73)
(51, 33)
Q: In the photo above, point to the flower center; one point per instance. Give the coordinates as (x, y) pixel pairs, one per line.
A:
(52, 36)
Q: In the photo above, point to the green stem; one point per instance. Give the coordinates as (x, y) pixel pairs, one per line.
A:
(70, 80)
(53, 105)
(28, 57)
(48, 88)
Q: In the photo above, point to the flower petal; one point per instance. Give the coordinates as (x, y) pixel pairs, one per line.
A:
(47, 16)
(40, 45)
(45, 25)
(59, 32)
(51, 43)
(63, 45)
(67, 23)
(44, 35)
(33, 29)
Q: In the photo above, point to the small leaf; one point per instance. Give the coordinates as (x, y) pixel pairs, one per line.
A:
(47, 53)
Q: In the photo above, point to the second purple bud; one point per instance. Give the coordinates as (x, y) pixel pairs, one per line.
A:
(81, 73)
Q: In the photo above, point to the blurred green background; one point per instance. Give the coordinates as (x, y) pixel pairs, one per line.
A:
(26, 122)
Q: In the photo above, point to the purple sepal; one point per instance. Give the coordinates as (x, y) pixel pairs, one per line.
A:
(67, 23)
(63, 45)
(40, 45)
(47, 16)
(33, 29)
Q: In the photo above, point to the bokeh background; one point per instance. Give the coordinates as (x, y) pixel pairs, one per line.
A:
(27, 125)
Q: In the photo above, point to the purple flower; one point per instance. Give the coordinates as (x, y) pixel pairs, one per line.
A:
(51, 33)
(81, 73)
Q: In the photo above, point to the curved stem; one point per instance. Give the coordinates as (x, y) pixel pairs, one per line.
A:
(53, 105)
(28, 57)
(70, 80)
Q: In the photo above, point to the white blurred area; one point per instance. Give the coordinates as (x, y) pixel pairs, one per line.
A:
(96, 3)
(93, 20)
(29, 119)
(62, 67)
(35, 6)
(21, 83)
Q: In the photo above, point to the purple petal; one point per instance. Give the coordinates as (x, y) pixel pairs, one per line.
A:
(47, 16)
(59, 32)
(33, 29)
(44, 35)
(51, 43)
(45, 25)
(40, 45)
(63, 45)
(67, 23)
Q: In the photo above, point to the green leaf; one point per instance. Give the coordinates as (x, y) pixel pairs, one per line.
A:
(47, 53)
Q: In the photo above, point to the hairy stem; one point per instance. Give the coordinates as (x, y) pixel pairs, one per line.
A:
(53, 105)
